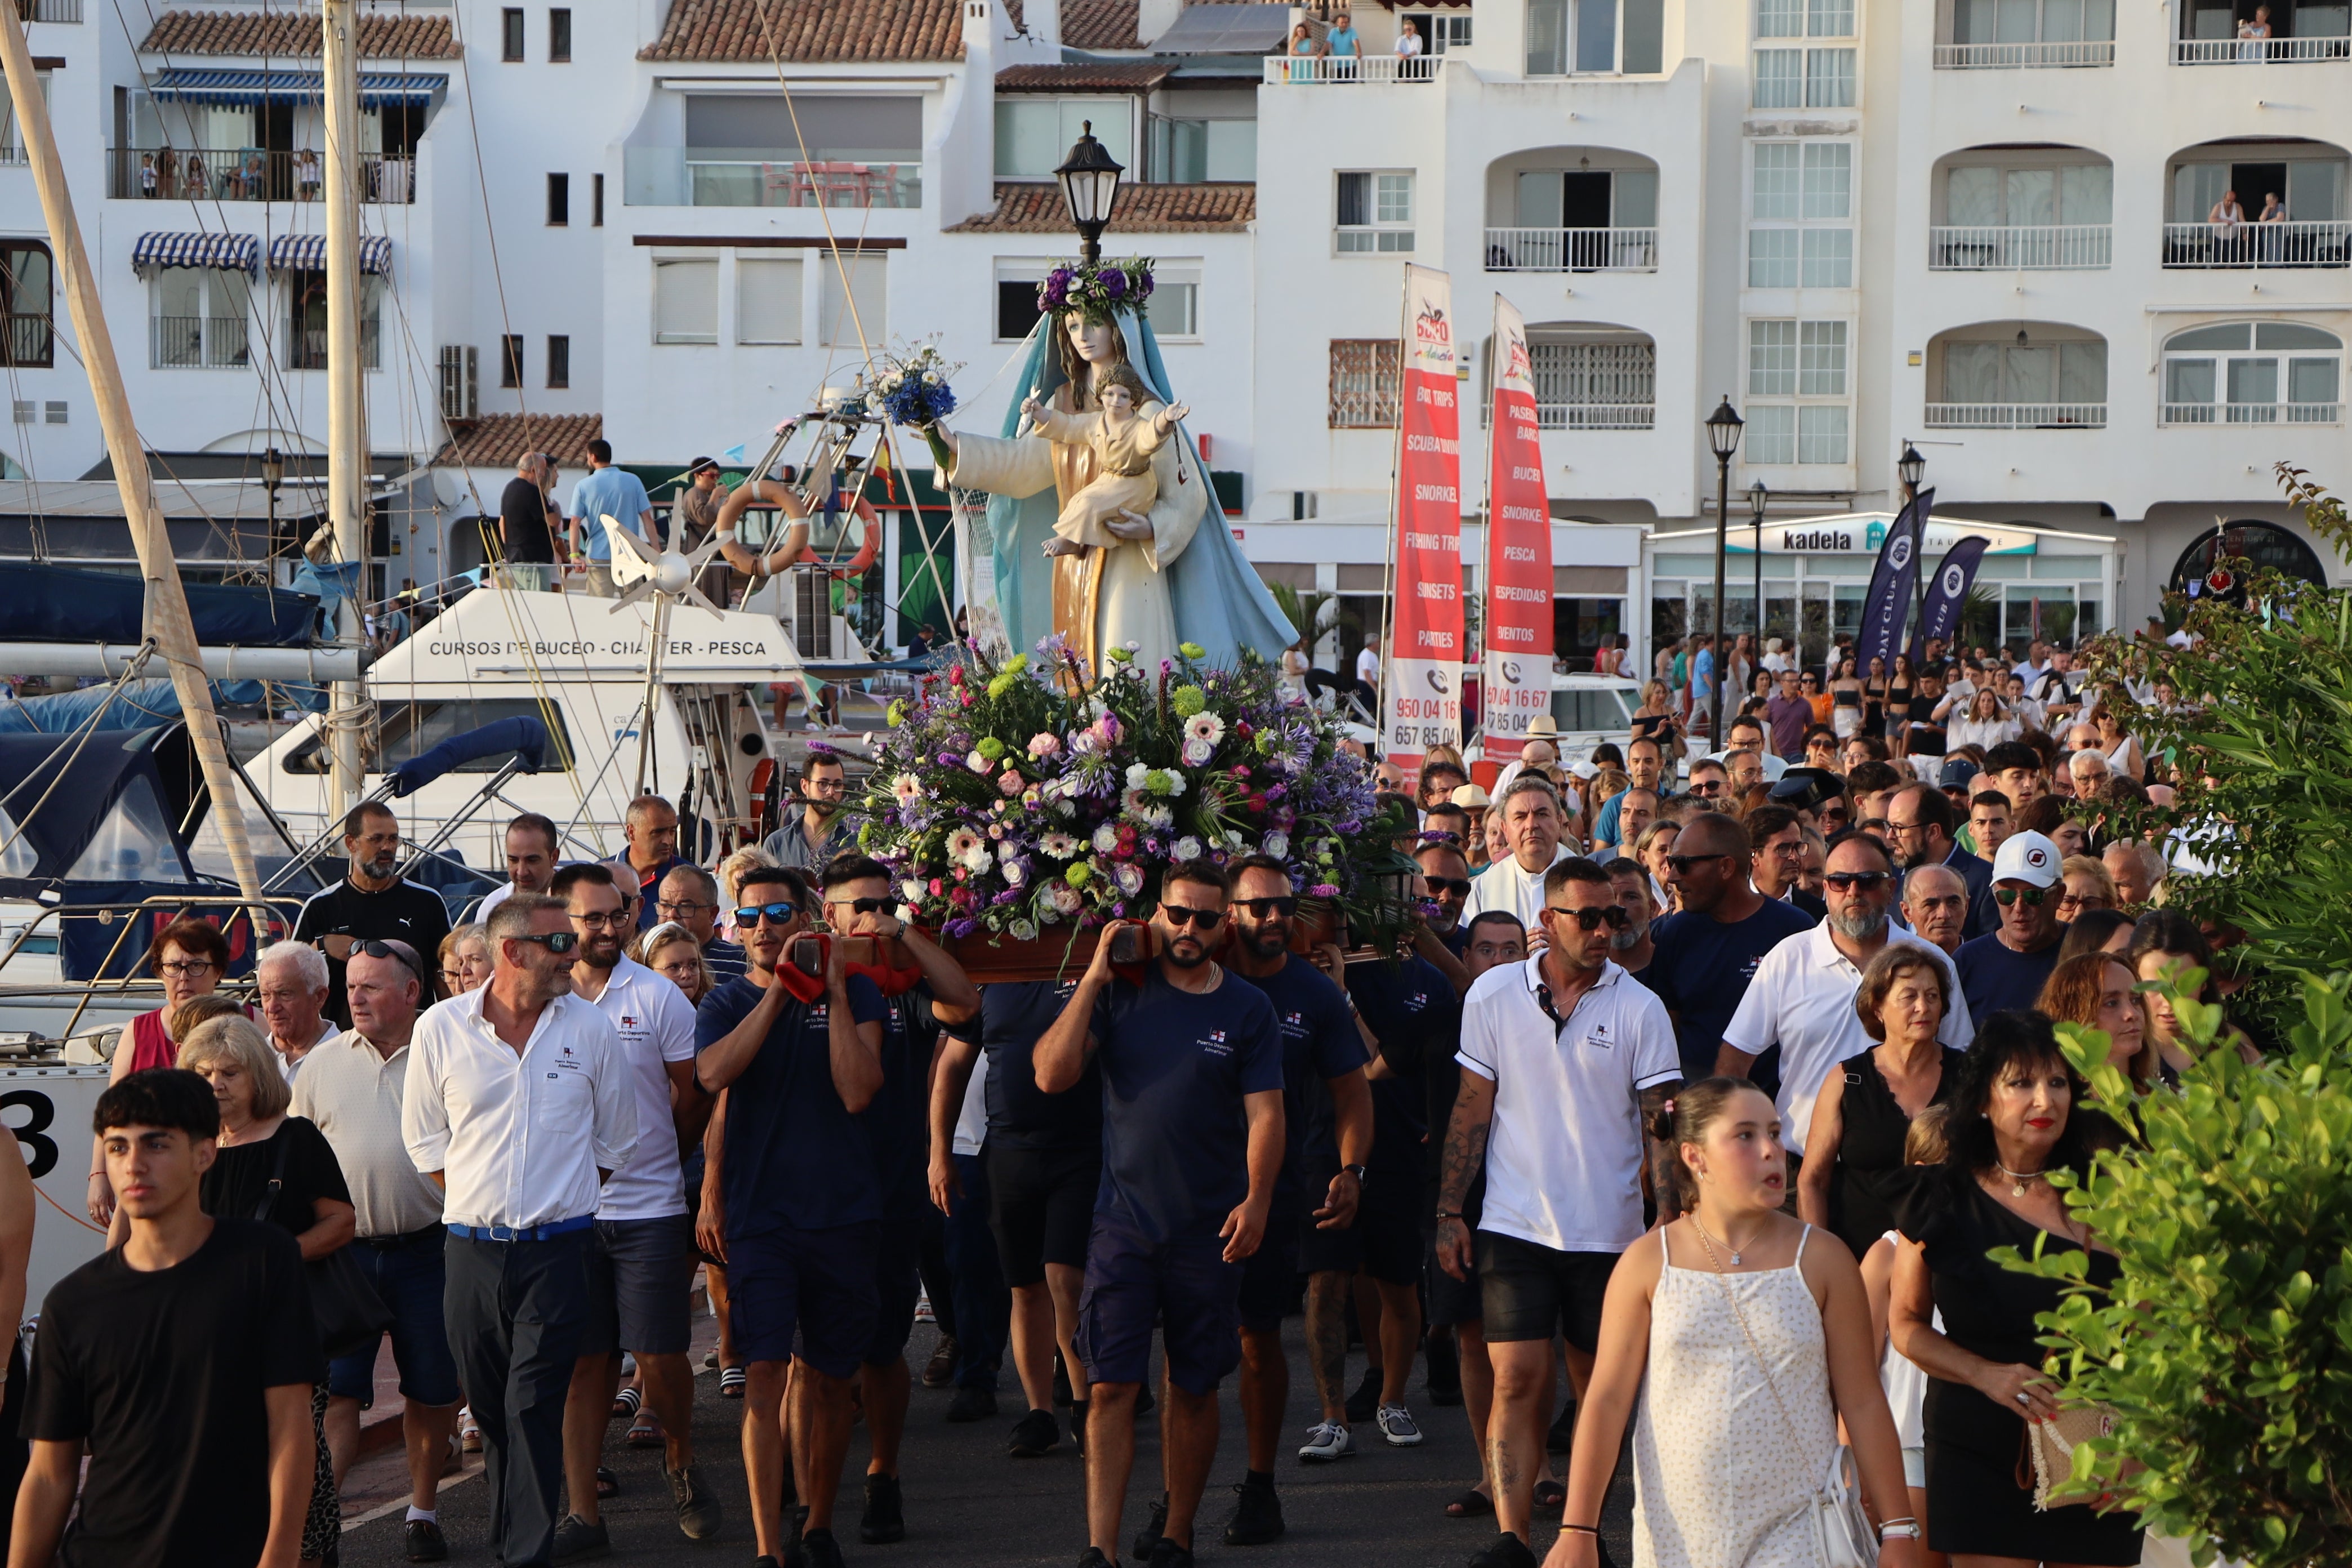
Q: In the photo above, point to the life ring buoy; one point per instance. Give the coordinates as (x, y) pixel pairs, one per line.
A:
(869, 543)
(763, 776)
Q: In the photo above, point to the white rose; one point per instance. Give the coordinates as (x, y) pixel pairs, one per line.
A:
(1186, 849)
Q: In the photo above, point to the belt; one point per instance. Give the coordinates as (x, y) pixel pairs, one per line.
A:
(547, 1231)
(411, 1238)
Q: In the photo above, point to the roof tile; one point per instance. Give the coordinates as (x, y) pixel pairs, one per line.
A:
(1037, 208)
(294, 37)
(1100, 24)
(499, 440)
(1123, 76)
(808, 30)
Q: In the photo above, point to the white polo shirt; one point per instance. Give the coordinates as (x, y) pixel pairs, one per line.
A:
(655, 1025)
(1507, 885)
(518, 1136)
(1802, 1000)
(1564, 1152)
(353, 1092)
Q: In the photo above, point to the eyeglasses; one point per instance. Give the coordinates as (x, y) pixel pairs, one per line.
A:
(1442, 886)
(1591, 920)
(603, 920)
(180, 967)
(2008, 896)
(775, 914)
(2084, 901)
(1178, 916)
(1261, 908)
(1680, 865)
(558, 942)
(1787, 851)
(1893, 828)
(867, 906)
(681, 906)
(1865, 882)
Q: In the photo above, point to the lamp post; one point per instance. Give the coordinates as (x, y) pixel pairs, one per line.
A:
(1912, 467)
(273, 474)
(1757, 494)
(1089, 181)
(1723, 427)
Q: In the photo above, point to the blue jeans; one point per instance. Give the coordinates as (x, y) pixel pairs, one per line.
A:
(983, 1308)
(410, 1275)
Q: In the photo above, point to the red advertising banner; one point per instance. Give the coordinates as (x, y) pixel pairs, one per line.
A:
(1421, 703)
(1518, 623)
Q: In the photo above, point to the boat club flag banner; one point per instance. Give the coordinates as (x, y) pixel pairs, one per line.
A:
(1517, 683)
(1949, 596)
(1893, 585)
(1420, 704)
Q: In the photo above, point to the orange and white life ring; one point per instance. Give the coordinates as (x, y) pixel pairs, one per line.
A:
(869, 544)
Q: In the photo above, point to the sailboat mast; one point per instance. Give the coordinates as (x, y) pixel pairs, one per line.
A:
(346, 446)
(167, 619)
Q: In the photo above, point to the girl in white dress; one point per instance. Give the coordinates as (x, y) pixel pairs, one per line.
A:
(1746, 1335)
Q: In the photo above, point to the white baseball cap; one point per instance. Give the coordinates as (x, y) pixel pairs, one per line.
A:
(2027, 857)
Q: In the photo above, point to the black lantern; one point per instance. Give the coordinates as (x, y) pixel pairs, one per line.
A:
(1723, 427)
(1089, 178)
(1912, 467)
(273, 474)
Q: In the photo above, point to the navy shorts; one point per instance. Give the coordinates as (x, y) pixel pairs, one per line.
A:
(1186, 1284)
(898, 1278)
(1385, 1240)
(640, 1273)
(1269, 1273)
(410, 1275)
(814, 1285)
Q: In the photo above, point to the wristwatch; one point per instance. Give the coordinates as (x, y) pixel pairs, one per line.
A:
(1360, 1173)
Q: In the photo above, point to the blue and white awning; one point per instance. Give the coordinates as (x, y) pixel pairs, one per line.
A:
(377, 89)
(308, 253)
(227, 252)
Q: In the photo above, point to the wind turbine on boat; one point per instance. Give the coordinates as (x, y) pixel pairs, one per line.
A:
(667, 577)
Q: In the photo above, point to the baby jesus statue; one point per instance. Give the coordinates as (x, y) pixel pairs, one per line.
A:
(1130, 427)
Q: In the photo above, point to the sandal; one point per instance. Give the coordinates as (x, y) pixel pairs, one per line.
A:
(1550, 1497)
(1472, 1504)
(625, 1403)
(646, 1432)
(607, 1484)
(732, 1379)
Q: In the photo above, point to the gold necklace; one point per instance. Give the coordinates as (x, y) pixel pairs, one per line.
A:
(1727, 1247)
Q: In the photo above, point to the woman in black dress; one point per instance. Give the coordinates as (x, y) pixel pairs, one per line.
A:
(1854, 1168)
(2013, 1119)
(259, 1143)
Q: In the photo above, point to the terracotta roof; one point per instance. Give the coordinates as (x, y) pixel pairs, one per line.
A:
(499, 440)
(1037, 208)
(810, 30)
(1100, 24)
(1126, 76)
(292, 36)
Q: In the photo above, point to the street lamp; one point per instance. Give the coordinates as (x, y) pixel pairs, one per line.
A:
(1757, 495)
(1089, 179)
(1723, 428)
(1911, 466)
(1914, 468)
(273, 474)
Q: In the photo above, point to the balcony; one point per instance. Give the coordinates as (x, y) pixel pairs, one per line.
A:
(50, 10)
(307, 347)
(1347, 70)
(2285, 244)
(192, 342)
(768, 177)
(1571, 250)
(2045, 248)
(26, 340)
(2017, 417)
(252, 174)
(2250, 412)
(2259, 51)
(2071, 54)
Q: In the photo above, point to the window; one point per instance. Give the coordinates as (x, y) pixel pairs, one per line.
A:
(55, 411)
(2253, 373)
(197, 316)
(559, 35)
(2020, 23)
(1596, 379)
(1175, 305)
(1366, 383)
(1016, 299)
(1798, 362)
(1794, 77)
(133, 843)
(1576, 37)
(1034, 134)
(595, 201)
(1187, 152)
(1442, 30)
(2020, 382)
(510, 29)
(559, 200)
(306, 331)
(869, 322)
(559, 361)
(1990, 196)
(767, 299)
(1375, 214)
(1802, 208)
(26, 302)
(12, 135)
(510, 359)
(409, 730)
(685, 299)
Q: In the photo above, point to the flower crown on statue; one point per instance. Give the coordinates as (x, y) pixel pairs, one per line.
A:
(1095, 290)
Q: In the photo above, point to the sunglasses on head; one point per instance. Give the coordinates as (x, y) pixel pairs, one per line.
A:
(778, 913)
(558, 942)
(2008, 896)
(1591, 920)
(1261, 908)
(1680, 865)
(1445, 885)
(1207, 920)
(374, 949)
(1866, 880)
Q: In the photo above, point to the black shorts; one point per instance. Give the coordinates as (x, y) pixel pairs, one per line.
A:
(1529, 1291)
(1384, 1242)
(1041, 1207)
(897, 1277)
(1268, 1273)
(1452, 1301)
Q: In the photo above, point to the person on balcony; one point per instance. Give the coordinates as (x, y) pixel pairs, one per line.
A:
(1412, 66)
(1303, 49)
(1343, 44)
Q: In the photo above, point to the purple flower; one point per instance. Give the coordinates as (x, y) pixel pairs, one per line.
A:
(1114, 283)
(962, 926)
(1320, 890)
(1143, 281)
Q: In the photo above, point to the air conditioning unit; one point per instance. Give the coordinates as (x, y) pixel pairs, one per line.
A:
(461, 381)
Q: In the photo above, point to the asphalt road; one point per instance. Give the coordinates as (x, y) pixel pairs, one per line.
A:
(968, 1502)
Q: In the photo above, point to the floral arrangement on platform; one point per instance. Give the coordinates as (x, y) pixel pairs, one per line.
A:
(911, 388)
(1095, 289)
(1018, 798)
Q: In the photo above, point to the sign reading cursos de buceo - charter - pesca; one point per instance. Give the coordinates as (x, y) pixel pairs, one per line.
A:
(1421, 703)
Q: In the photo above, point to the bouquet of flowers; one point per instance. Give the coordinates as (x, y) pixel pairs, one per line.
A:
(1015, 798)
(1096, 289)
(912, 388)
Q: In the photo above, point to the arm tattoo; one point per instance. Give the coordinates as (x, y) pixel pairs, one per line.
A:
(1466, 1151)
(1661, 1156)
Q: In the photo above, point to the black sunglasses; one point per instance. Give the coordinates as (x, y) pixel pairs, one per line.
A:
(778, 913)
(868, 906)
(558, 942)
(1446, 884)
(1680, 865)
(1591, 920)
(2007, 895)
(1866, 880)
(1178, 916)
(375, 949)
(1261, 907)
(1707, 787)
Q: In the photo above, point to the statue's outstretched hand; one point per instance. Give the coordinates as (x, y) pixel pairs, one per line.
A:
(1171, 414)
(1128, 525)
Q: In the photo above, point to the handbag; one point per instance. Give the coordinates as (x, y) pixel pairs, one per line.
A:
(346, 1311)
(2049, 1445)
(1842, 1530)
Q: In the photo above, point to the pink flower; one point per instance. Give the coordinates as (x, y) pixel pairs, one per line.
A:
(1043, 744)
(1011, 783)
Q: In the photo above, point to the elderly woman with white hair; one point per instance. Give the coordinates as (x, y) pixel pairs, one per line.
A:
(291, 986)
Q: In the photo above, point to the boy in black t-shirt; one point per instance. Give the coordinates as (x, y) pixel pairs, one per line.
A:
(181, 1362)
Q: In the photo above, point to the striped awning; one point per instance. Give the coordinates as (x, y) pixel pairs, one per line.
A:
(228, 252)
(308, 253)
(248, 88)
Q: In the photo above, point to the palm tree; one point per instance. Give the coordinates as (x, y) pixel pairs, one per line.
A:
(1312, 613)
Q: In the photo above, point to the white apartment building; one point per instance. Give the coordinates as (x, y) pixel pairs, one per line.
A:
(1999, 229)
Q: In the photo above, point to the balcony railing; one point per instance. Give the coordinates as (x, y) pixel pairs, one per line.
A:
(307, 347)
(2039, 248)
(2259, 51)
(768, 177)
(251, 174)
(2017, 415)
(50, 10)
(12, 152)
(1571, 250)
(1596, 416)
(28, 341)
(2257, 244)
(2252, 413)
(2025, 57)
(191, 342)
(1298, 70)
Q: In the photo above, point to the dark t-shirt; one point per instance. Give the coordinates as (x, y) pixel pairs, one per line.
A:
(1013, 1016)
(522, 517)
(1175, 1067)
(240, 1178)
(1700, 969)
(1927, 735)
(900, 1115)
(406, 912)
(794, 1158)
(1318, 1041)
(1417, 1018)
(728, 960)
(1995, 979)
(161, 1374)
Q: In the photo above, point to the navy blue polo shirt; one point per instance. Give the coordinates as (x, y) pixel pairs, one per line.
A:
(794, 1158)
(1996, 979)
(1700, 968)
(900, 1117)
(1412, 1011)
(1318, 1042)
(1013, 1016)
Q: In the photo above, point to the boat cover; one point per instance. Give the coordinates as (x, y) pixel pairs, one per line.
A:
(56, 604)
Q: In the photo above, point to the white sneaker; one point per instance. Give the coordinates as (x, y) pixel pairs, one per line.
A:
(1396, 1425)
(1330, 1441)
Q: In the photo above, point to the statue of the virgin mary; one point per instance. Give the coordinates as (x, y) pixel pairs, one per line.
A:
(1173, 573)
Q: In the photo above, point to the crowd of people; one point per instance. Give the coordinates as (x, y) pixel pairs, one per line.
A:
(1666, 1015)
